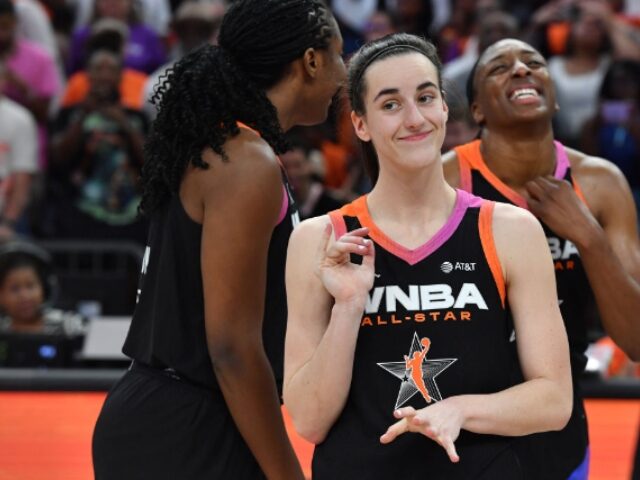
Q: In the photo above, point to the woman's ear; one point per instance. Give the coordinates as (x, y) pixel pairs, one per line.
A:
(477, 114)
(360, 127)
(311, 62)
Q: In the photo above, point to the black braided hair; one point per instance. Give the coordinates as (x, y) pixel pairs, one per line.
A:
(367, 55)
(203, 96)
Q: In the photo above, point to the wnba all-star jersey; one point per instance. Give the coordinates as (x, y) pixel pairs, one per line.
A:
(565, 450)
(168, 326)
(435, 325)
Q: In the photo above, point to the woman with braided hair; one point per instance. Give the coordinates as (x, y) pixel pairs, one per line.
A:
(201, 399)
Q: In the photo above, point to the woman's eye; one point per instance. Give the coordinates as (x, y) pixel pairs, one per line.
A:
(426, 98)
(390, 105)
(497, 69)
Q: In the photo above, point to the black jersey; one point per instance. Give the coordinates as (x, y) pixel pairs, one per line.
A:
(435, 325)
(568, 447)
(168, 326)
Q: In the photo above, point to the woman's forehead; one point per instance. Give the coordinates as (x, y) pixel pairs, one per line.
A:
(403, 66)
(504, 47)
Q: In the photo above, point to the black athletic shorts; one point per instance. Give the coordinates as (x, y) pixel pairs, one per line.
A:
(154, 425)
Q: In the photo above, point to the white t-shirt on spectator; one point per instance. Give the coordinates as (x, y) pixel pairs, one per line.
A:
(18, 144)
(577, 95)
(18, 139)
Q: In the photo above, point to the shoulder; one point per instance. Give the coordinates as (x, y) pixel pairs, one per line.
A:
(515, 227)
(588, 168)
(600, 180)
(250, 174)
(249, 151)
(450, 168)
(510, 217)
(15, 113)
(307, 235)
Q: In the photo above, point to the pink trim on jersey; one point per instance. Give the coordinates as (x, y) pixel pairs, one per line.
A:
(562, 165)
(285, 205)
(562, 161)
(474, 201)
(413, 256)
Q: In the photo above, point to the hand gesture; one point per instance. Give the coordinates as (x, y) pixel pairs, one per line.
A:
(346, 281)
(556, 203)
(440, 422)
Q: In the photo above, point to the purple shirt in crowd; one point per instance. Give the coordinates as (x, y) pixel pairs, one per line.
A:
(144, 50)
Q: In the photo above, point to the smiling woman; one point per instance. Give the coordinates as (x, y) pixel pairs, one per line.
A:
(584, 204)
(399, 359)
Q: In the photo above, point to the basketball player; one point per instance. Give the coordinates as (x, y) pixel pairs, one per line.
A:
(200, 400)
(584, 203)
(435, 263)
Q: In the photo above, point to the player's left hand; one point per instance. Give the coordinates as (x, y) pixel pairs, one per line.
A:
(556, 203)
(440, 422)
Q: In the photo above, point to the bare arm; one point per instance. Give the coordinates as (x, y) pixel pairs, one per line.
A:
(241, 202)
(18, 196)
(321, 333)
(544, 400)
(607, 242)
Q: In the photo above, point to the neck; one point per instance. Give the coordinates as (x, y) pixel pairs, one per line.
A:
(519, 159)
(282, 96)
(27, 325)
(402, 196)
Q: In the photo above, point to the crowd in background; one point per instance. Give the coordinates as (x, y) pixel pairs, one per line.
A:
(77, 79)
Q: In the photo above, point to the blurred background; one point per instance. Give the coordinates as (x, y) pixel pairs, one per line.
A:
(76, 78)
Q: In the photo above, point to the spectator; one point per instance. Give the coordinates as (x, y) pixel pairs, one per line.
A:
(155, 14)
(143, 50)
(310, 194)
(492, 27)
(379, 25)
(18, 162)
(108, 34)
(352, 18)
(32, 333)
(34, 25)
(614, 131)
(194, 24)
(578, 74)
(96, 158)
(460, 127)
(453, 38)
(31, 78)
